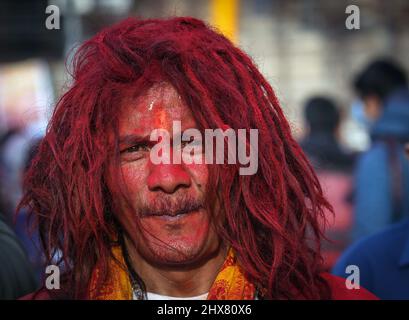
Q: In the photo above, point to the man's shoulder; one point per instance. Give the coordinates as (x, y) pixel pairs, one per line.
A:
(388, 236)
(376, 157)
(45, 294)
(41, 294)
(339, 290)
(390, 240)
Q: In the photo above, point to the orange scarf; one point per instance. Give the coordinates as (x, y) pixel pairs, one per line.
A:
(230, 283)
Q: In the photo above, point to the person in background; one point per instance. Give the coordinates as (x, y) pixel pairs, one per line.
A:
(333, 165)
(19, 262)
(382, 174)
(16, 153)
(13, 154)
(321, 144)
(383, 260)
(7, 206)
(28, 236)
(16, 275)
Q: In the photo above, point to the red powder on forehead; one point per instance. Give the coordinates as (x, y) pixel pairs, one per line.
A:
(153, 108)
(269, 215)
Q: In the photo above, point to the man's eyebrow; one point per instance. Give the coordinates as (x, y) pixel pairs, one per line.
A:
(136, 138)
(133, 139)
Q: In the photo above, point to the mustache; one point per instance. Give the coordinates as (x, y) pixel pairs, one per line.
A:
(171, 205)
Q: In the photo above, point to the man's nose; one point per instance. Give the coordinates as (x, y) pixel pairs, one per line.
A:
(168, 178)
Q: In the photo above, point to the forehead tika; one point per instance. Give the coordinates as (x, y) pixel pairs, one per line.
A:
(155, 109)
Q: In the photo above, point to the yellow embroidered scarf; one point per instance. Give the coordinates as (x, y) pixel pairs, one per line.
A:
(230, 283)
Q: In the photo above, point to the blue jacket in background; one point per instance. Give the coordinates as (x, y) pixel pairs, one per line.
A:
(383, 261)
(374, 180)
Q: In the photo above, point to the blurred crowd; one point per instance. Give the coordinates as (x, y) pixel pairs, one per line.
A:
(368, 190)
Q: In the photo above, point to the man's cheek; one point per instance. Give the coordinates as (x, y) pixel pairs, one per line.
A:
(128, 195)
(134, 178)
(199, 173)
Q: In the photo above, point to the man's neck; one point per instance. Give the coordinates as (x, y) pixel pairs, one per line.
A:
(186, 282)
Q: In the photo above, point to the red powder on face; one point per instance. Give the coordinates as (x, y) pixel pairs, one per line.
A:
(166, 238)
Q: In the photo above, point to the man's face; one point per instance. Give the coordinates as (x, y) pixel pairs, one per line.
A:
(372, 107)
(167, 199)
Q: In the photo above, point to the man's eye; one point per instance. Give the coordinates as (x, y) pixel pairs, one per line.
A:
(192, 143)
(136, 148)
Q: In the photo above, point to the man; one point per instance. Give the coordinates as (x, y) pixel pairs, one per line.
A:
(321, 143)
(131, 227)
(383, 260)
(382, 172)
(333, 166)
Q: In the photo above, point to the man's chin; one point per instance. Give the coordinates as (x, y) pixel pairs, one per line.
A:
(175, 240)
(176, 254)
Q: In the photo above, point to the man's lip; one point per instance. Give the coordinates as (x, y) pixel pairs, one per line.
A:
(172, 216)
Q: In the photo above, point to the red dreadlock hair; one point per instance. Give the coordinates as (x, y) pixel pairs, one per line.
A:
(271, 217)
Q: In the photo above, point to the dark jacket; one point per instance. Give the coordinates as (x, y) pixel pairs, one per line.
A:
(383, 261)
(325, 153)
(16, 275)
